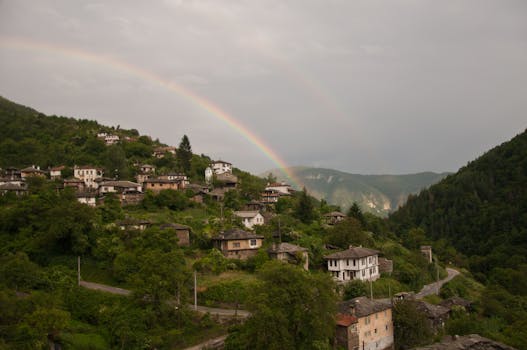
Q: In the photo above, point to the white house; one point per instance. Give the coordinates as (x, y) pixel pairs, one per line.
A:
(88, 174)
(208, 175)
(87, 198)
(221, 167)
(250, 218)
(281, 187)
(109, 139)
(354, 263)
(147, 169)
(176, 177)
(56, 172)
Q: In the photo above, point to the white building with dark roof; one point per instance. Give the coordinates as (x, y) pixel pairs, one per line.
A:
(250, 218)
(221, 167)
(355, 263)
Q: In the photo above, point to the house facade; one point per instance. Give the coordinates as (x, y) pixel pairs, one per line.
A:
(88, 174)
(280, 187)
(32, 171)
(221, 167)
(119, 187)
(238, 244)
(290, 253)
(250, 218)
(365, 324)
(182, 233)
(157, 185)
(56, 172)
(355, 263)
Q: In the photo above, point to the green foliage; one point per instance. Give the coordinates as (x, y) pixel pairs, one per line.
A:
(214, 262)
(354, 289)
(304, 210)
(291, 309)
(356, 212)
(19, 273)
(227, 292)
(411, 327)
(184, 155)
(349, 232)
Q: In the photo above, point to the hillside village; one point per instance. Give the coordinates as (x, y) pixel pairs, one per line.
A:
(176, 231)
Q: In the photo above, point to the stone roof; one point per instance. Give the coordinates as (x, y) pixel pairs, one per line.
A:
(236, 234)
(335, 213)
(120, 184)
(455, 301)
(221, 161)
(353, 253)
(12, 187)
(430, 310)
(58, 168)
(246, 214)
(32, 170)
(362, 306)
(467, 342)
(227, 177)
(133, 221)
(174, 226)
(87, 167)
(286, 248)
(345, 320)
(164, 181)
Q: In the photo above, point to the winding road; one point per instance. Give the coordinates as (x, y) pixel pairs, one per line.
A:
(433, 288)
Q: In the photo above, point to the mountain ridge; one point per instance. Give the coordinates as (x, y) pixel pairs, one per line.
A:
(377, 194)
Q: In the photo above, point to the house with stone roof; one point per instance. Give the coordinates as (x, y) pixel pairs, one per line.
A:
(364, 323)
(355, 263)
(119, 187)
(238, 244)
(157, 185)
(334, 217)
(250, 218)
(182, 232)
(32, 171)
(290, 253)
(88, 174)
(221, 167)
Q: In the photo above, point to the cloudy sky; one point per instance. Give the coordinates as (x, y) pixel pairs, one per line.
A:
(361, 86)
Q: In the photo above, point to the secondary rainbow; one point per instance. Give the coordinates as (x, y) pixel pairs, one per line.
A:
(114, 63)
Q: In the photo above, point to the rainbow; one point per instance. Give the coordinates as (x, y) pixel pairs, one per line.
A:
(123, 66)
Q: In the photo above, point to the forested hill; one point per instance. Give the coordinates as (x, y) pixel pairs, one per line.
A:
(482, 211)
(28, 137)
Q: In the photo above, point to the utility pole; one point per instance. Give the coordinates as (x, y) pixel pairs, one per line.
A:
(79, 270)
(195, 290)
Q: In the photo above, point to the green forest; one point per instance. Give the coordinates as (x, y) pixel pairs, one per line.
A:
(477, 218)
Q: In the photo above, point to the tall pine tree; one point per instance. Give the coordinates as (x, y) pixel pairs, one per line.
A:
(184, 155)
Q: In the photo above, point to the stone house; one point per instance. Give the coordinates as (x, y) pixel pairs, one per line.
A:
(32, 171)
(182, 233)
(157, 185)
(159, 152)
(88, 198)
(426, 250)
(134, 224)
(354, 263)
(147, 169)
(270, 196)
(77, 184)
(182, 178)
(221, 167)
(227, 180)
(290, 253)
(18, 189)
(250, 218)
(280, 187)
(56, 172)
(365, 324)
(119, 187)
(334, 217)
(88, 174)
(436, 315)
(238, 244)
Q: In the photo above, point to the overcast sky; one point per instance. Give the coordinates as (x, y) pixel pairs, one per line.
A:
(360, 86)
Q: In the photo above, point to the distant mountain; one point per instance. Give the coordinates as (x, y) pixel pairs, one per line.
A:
(378, 194)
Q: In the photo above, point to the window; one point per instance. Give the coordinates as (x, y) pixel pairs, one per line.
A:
(386, 327)
(367, 320)
(347, 262)
(252, 242)
(354, 262)
(363, 273)
(375, 331)
(236, 244)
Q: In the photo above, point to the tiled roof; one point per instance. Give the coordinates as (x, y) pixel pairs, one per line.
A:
(236, 234)
(345, 320)
(286, 248)
(363, 306)
(246, 214)
(121, 184)
(353, 253)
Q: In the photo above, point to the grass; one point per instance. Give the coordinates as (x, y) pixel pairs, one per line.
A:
(209, 280)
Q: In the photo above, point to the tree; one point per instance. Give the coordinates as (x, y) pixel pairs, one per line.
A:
(348, 232)
(184, 155)
(291, 309)
(355, 212)
(354, 289)
(304, 210)
(411, 327)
